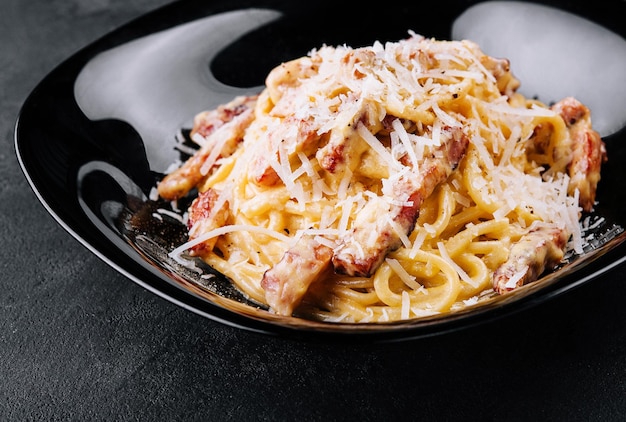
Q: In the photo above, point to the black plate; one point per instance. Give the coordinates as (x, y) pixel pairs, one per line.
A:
(99, 131)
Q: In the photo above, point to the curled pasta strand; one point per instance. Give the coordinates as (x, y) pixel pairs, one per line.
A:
(441, 211)
(438, 297)
(477, 270)
(495, 229)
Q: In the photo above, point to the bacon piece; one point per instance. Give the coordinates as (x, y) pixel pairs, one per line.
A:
(293, 135)
(286, 283)
(500, 69)
(541, 248)
(376, 232)
(343, 145)
(588, 150)
(224, 128)
(203, 217)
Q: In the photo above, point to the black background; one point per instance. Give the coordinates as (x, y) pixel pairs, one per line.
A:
(79, 341)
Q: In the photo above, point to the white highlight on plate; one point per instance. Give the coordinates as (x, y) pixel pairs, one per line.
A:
(159, 82)
(555, 54)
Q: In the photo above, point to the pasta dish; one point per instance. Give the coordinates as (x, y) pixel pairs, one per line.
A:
(388, 182)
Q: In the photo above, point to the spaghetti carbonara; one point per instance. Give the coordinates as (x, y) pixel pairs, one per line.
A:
(387, 182)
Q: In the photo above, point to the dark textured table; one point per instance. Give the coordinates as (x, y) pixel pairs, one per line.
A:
(79, 341)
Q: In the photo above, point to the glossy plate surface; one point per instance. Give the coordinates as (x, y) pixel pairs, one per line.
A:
(98, 132)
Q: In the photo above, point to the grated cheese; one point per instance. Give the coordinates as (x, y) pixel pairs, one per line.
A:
(406, 305)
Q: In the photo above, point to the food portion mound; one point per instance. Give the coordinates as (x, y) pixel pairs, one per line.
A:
(388, 182)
